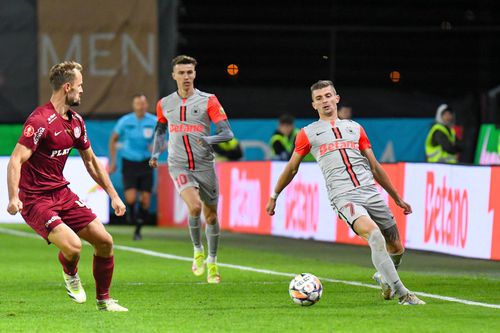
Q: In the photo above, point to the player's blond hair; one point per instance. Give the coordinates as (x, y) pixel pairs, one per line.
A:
(184, 60)
(323, 84)
(63, 72)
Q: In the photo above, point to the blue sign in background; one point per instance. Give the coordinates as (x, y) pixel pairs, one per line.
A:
(392, 139)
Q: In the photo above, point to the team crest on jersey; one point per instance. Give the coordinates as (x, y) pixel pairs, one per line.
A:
(77, 132)
(147, 132)
(29, 131)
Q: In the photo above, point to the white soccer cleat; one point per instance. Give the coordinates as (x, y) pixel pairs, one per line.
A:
(74, 288)
(110, 305)
(410, 299)
(387, 293)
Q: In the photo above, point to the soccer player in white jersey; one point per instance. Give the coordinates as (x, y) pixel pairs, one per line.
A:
(343, 151)
(188, 113)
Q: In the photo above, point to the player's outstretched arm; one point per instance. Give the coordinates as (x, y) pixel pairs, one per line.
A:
(158, 143)
(383, 179)
(112, 151)
(101, 177)
(20, 155)
(224, 133)
(285, 178)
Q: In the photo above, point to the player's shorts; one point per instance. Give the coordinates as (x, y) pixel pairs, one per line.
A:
(363, 201)
(138, 175)
(205, 181)
(45, 211)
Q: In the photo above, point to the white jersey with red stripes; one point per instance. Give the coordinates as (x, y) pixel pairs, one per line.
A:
(337, 146)
(188, 119)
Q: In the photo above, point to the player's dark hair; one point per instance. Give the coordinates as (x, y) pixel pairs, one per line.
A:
(322, 84)
(287, 119)
(137, 95)
(184, 60)
(62, 73)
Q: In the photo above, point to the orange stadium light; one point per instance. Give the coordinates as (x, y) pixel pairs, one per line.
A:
(395, 76)
(232, 69)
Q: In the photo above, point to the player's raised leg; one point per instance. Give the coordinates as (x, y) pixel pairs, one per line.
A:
(103, 267)
(366, 228)
(70, 245)
(191, 197)
(213, 233)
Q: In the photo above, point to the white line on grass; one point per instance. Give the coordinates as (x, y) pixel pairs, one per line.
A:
(259, 270)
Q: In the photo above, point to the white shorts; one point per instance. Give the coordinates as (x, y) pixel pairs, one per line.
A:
(205, 181)
(363, 201)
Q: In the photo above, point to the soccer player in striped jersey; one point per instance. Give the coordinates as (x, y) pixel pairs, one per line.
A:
(343, 151)
(186, 114)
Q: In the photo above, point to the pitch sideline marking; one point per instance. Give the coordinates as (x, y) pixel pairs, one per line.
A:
(260, 270)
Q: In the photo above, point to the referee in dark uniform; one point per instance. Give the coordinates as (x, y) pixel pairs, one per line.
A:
(135, 130)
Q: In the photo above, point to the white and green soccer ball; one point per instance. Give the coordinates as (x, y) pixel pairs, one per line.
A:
(305, 289)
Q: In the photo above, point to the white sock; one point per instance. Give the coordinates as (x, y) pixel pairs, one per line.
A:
(211, 259)
(384, 264)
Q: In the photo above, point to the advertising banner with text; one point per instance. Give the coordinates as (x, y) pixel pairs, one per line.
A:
(454, 207)
(119, 53)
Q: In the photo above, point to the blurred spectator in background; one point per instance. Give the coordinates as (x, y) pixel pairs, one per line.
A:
(283, 140)
(345, 112)
(136, 131)
(228, 151)
(441, 144)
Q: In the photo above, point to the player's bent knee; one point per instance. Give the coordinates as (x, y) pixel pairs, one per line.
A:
(195, 209)
(211, 218)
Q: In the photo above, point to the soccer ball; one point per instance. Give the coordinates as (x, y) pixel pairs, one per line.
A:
(305, 289)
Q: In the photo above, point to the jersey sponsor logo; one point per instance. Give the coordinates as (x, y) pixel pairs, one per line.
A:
(60, 152)
(29, 131)
(184, 128)
(52, 219)
(51, 118)
(446, 213)
(77, 132)
(332, 146)
(57, 133)
(38, 135)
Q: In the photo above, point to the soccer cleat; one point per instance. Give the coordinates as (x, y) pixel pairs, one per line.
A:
(410, 299)
(110, 305)
(213, 273)
(387, 293)
(137, 236)
(198, 263)
(74, 288)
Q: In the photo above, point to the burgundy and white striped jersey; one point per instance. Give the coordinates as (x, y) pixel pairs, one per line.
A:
(337, 146)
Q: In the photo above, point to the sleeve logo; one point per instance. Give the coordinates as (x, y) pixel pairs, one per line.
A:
(221, 111)
(38, 135)
(29, 131)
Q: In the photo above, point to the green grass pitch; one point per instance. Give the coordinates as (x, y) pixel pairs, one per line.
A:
(164, 296)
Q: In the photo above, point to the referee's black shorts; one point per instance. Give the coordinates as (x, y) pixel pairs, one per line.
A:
(138, 175)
